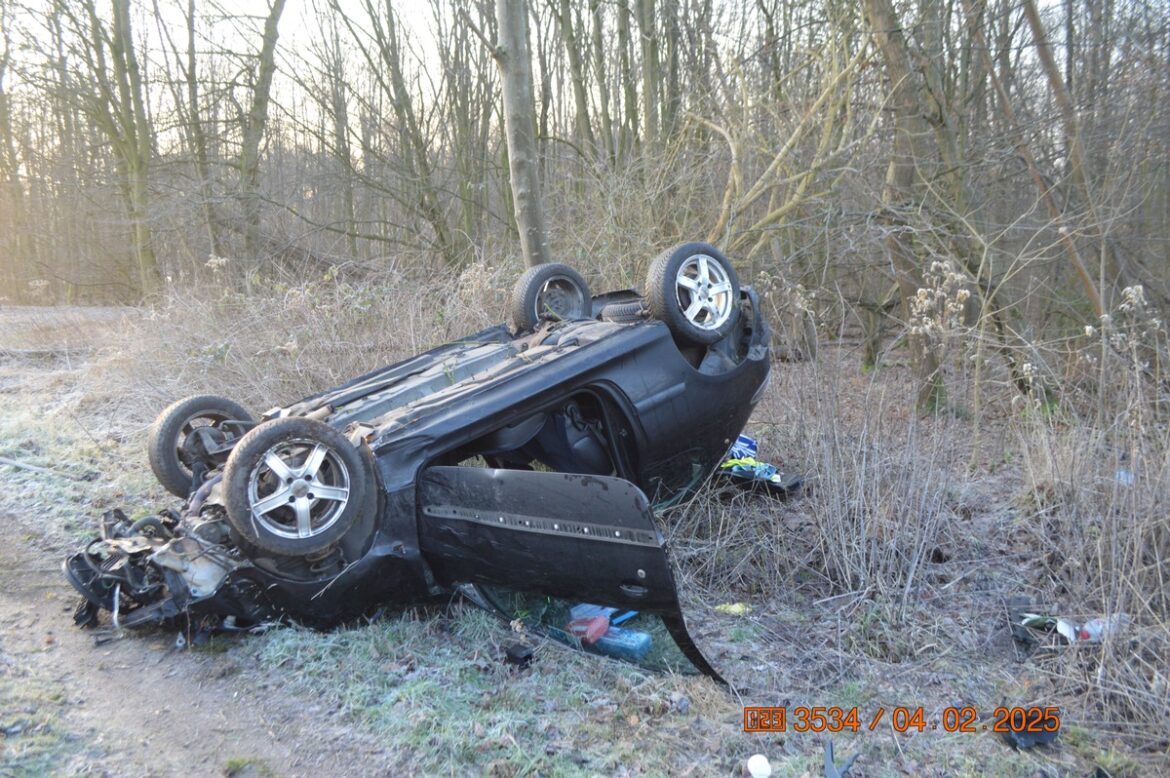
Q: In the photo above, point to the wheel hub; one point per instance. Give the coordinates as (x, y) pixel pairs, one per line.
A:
(704, 292)
(559, 299)
(298, 489)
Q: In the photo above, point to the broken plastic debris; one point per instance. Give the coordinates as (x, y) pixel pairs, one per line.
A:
(629, 644)
(589, 630)
(519, 654)
(587, 610)
(620, 643)
(734, 608)
(1026, 739)
(1124, 477)
(1042, 623)
(1092, 631)
(744, 446)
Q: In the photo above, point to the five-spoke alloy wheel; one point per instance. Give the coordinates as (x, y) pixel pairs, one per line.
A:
(693, 288)
(295, 486)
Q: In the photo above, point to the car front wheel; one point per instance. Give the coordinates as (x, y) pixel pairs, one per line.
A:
(295, 486)
(177, 437)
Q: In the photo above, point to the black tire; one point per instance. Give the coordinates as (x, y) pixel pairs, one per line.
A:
(669, 301)
(164, 444)
(624, 313)
(251, 482)
(552, 291)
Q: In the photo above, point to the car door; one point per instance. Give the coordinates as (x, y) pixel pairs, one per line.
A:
(582, 538)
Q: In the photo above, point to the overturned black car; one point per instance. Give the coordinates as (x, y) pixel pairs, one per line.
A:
(514, 463)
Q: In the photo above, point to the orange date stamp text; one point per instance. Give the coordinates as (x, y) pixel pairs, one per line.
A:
(900, 719)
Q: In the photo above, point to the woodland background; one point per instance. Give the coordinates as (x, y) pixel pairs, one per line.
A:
(855, 151)
(957, 213)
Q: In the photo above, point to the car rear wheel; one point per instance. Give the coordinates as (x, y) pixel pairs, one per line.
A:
(552, 291)
(693, 288)
(295, 486)
(173, 445)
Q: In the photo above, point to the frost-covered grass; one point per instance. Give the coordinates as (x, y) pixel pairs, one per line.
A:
(882, 585)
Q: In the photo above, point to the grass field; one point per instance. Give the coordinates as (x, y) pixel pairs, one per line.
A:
(884, 584)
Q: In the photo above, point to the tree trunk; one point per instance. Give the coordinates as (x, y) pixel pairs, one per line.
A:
(901, 187)
(672, 103)
(199, 137)
(137, 143)
(629, 131)
(519, 126)
(648, 29)
(388, 68)
(1012, 126)
(1113, 270)
(12, 231)
(577, 75)
(339, 114)
(254, 131)
(602, 83)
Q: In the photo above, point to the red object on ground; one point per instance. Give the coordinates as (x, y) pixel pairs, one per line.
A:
(589, 630)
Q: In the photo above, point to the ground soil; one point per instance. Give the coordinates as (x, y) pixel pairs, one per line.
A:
(136, 705)
(141, 707)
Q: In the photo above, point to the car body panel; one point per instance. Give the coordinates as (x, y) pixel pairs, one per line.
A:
(558, 534)
(625, 417)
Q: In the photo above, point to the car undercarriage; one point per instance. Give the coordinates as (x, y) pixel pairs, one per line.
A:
(519, 467)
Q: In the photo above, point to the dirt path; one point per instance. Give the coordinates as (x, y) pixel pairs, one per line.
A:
(142, 706)
(136, 705)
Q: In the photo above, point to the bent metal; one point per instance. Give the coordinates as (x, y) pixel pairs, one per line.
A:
(526, 458)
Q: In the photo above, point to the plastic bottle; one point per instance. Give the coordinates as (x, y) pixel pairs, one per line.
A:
(1096, 630)
(622, 643)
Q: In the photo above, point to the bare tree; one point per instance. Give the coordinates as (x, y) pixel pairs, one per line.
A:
(114, 100)
(648, 30)
(629, 104)
(573, 50)
(516, 86)
(378, 39)
(11, 189)
(597, 36)
(253, 129)
(763, 124)
(198, 134)
(186, 90)
(902, 186)
(1113, 270)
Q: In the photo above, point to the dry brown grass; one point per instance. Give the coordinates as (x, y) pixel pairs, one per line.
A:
(883, 584)
(1095, 510)
(915, 531)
